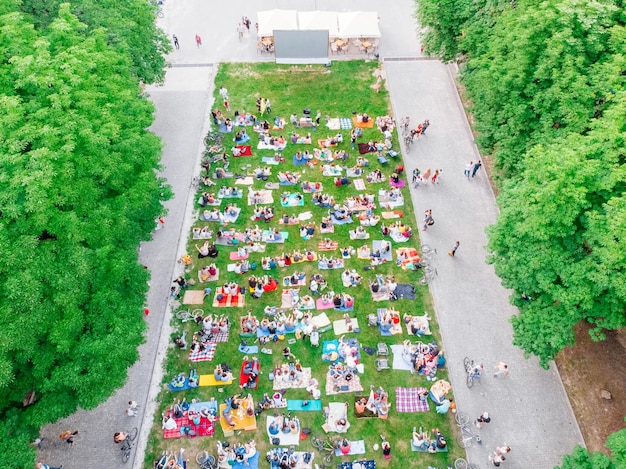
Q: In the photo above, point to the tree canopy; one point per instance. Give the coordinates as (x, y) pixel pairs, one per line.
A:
(583, 459)
(79, 193)
(546, 84)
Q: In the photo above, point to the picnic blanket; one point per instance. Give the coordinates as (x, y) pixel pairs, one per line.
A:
(263, 197)
(256, 368)
(395, 329)
(422, 449)
(320, 321)
(270, 160)
(354, 235)
(369, 464)
(329, 350)
(340, 327)
(293, 200)
(363, 125)
(364, 252)
(272, 185)
(328, 229)
(296, 222)
(227, 301)
(399, 363)
(359, 184)
(227, 175)
(332, 170)
(234, 256)
(304, 406)
(275, 455)
(299, 162)
(210, 278)
(408, 400)
(336, 221)
(305, 259)
(404, 291)
(232, 218)
(380, 296)
(266, 146)
(242, 150)
(284, 381)
(334, 123)
(323, 265)
(240, 418)
(336, 411)
(278, 238)
(393, 214)
(287, 299)
(209, 380)
(313, 187)
(285, 439)
(225, 129)
(205, 355)
(203, 428)
(364, 148)
(287, 282)
(245, 181)
(377, 246)
(321, 304)
(248, 349)
(252, 463)
(356, 447)
(184, 387)
(412, 256)
(346, 123)
(341, 385)
(321, 246)
(193, 297)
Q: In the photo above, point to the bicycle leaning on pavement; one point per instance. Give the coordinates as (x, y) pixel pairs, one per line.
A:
(467, 435)
(474, 371)
(126, 439)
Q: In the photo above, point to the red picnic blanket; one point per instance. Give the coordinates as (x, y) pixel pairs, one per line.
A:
(204, 428)
(408, 400)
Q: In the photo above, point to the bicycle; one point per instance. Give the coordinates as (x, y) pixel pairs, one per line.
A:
(467, 436)
(429, 272)
(160, 13)
(206, 460)
(186, 316)
(166, 460)
(329, 446)
(404, 125)
(461, 463)
(408, 140)
(127, 445)
(473, 370)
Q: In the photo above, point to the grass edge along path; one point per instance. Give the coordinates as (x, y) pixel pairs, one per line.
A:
(336, 92)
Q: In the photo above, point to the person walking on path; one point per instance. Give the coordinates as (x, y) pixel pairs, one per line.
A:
(68, 436)
(198, 40)
(435, 179)
(247, 23)
(425, 125)
(240, 30)
(452, 251)
(501, 369)
(428, 219)
(45, 466)
(416, 178)
(482, 420)
(476, 167)
(131, 412)
(175, 39)
(468, 169)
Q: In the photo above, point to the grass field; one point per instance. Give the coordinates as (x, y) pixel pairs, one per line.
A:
(336, 91)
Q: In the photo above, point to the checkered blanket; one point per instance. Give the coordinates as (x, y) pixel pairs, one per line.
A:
(283, 380)
(206, 355)
(204, 428)
(341, 385)
(346, 123)
(407, 400)
(237, 300)
(221, 336)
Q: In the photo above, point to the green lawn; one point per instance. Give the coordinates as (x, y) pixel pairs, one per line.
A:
(336, 92)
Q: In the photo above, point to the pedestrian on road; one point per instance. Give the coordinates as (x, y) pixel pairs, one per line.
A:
(476, 167)
(45, 466)
(468, 169)
(502, 450)
(501, 369)
(425, 125)
(452, 251)
(426, 176)
(428, 219)
(482, 420)
(131, 412)
(175, 39)
(435, 179)
(240, 30)
(68, 436)
(496, 460)
(133, 405)
(416, 177)
(198, 40)
(247, 23)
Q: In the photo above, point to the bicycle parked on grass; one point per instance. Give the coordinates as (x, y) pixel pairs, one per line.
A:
(328, 446)
(206, 460)
(474, 371)
(461, 463)
(467, 436)
(126, 439)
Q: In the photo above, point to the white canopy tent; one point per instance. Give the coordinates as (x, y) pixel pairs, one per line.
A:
(276, 19)
(358, 24)
(319, 20)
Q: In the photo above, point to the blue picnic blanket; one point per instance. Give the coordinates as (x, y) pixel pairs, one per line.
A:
(345, 123)
(297, 404)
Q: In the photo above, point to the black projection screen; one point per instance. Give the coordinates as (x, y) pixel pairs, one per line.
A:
(301, 47)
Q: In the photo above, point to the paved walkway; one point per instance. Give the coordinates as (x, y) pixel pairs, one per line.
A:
(529, 409)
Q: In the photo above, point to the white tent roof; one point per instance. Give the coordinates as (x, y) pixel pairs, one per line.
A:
(358, 24)
(276, 19)
(323, 20)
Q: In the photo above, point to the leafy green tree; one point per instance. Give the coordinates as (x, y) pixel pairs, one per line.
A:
(130, 28)
(560, 235)
(583, 459)
(542, 75)
(78, 192)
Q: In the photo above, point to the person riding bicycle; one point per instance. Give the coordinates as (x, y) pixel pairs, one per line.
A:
(476, 370)
(119, 437)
